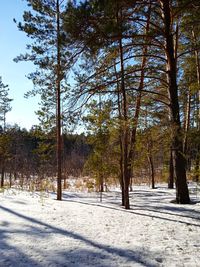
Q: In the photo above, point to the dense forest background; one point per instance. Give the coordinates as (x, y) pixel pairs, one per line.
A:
(128, 73)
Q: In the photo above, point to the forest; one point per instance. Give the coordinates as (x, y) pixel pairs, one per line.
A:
(119, 87)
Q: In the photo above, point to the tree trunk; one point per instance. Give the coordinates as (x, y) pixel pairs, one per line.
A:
(198, 77)
(58, 109)
(197, 170)
(2, 176)
(187, 127)
(101, 180)
(197, 160)
(125, 130)
(150, 159)
(122, 188)
(138, 102)
(131, 184)
(101, 186)
(171, 171)
(10, 179)
(21, 180)
(121, 180)
(128, 146)
(65, 183)
(126, 195)
(182, 192)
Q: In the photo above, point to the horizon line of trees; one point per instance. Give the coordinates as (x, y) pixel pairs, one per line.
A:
(29, 156)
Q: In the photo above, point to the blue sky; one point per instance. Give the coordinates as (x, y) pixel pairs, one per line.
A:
(13, 43)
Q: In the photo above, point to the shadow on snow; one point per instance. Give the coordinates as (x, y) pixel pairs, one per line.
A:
(95, 254)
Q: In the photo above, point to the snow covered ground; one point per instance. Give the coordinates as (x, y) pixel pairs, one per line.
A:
(36, 230)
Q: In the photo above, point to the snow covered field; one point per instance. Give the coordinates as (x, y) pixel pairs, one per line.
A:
(81, 232)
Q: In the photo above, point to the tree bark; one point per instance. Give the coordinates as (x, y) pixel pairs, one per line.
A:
(2, 176)
(126, 178)
(197, 160)
(138, 101)
(182, 192)
(128, 145)
(10, 179)
(65, 183)
(171, 171)
(187, 123)
(58, 109)
(151, 165)
(197, 169)
(101, 182)
(121, 180)
(186, 128)
(124, 116)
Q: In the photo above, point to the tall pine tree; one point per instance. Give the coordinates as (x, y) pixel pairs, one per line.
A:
(43, 25)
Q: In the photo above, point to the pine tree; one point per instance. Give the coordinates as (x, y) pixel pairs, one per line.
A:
(5, 102)
(182, 193)
(111, 36)
(191, 82)
(48, 52)
(98, 123)
(5, 107)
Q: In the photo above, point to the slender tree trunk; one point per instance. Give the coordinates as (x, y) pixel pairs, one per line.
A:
(58, 109)
(126, 179)
(2, 176)
(171, 171)
(101, 181)
(182, 193)
(101, 177)
(3, 161)
(124, 116)
(197, 169)
(138, 102)
(127, 145)
(21, 181)
(187, 127)
(121, 180)
(101, 187)
(197, 160)
(151, 165)
(198, 78)
(131, 184)
(10, 179)
(65, 183)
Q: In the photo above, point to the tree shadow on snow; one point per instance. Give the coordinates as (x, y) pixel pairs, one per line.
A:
(163, 211)
(10, 256)
(144, 201)
(95, 254)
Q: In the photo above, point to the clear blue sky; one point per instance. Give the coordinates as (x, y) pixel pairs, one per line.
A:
(13, 43)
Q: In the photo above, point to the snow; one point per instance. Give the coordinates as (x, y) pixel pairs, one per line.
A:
(80, 231)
